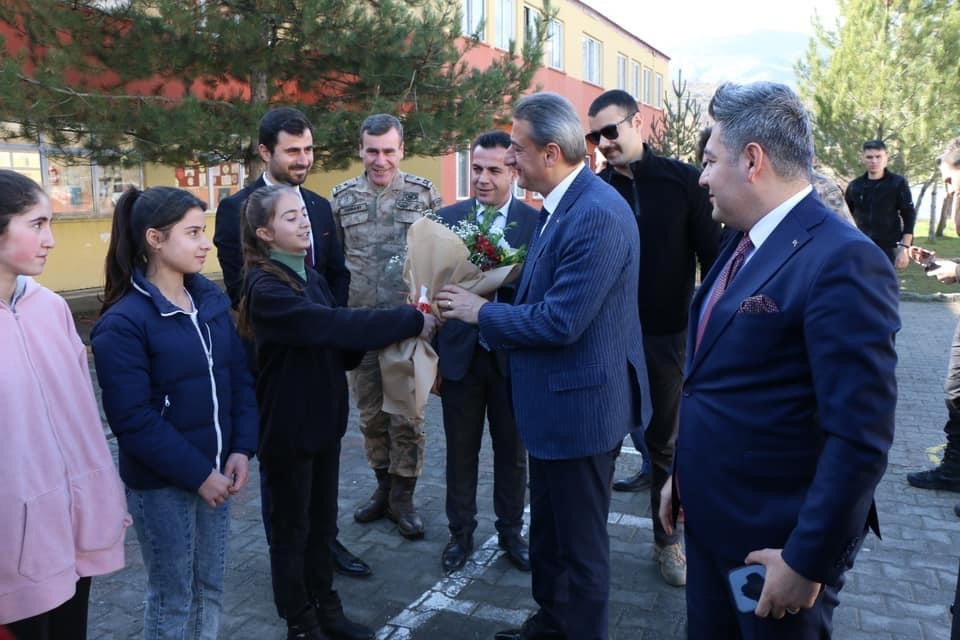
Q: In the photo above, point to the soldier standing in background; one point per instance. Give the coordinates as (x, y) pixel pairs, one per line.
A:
(373, 212)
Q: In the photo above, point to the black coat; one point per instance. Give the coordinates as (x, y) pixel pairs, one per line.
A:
(305, 343)
(677, 230)
(327, 251)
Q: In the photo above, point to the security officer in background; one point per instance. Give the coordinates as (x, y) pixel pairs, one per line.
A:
(372, 213)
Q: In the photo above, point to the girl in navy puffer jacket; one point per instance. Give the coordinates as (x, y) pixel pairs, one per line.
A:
(179, 397)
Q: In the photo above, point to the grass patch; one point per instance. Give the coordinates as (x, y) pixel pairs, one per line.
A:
(913, 279)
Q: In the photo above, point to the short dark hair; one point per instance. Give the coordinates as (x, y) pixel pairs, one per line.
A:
(380, 124)
(876, 145)
(287, 119)
(951, 155)
(492, 139)
(614, 97)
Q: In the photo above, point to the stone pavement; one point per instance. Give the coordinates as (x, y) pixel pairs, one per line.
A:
(901, 587)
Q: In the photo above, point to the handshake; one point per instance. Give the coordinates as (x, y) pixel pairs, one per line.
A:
(943, 270)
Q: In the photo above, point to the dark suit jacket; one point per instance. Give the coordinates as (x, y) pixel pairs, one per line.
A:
(576, 349)
(327, 251)
(788, 405)
(456, 340)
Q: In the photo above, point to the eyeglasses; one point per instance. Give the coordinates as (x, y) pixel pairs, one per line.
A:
(610, 132)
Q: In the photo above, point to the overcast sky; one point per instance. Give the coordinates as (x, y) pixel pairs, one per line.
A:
(738, 40)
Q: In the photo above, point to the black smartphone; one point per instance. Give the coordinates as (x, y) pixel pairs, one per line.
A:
(746, 583)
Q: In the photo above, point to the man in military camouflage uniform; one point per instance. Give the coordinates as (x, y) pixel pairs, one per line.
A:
(373, 212)
(831, 194)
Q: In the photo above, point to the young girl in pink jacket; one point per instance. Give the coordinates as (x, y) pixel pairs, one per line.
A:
(62, 509)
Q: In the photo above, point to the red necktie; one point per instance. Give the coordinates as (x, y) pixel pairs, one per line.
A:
(723, 281)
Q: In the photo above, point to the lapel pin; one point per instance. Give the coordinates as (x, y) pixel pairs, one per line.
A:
(795, 243)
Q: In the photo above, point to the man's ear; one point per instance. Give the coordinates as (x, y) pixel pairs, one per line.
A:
(265, 154)
(552, 154)
(755, 159)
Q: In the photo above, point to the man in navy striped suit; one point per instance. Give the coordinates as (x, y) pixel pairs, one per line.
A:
(576, 362)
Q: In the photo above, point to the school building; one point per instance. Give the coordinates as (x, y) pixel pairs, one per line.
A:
(587, 53)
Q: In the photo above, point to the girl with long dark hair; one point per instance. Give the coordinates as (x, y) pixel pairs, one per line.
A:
(62, 513)
(179, 397)
(304, 345)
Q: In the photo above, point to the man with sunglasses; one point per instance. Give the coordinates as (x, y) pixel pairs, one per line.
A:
(673, 213)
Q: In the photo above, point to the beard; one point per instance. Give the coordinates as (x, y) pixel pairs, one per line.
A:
(286, 175)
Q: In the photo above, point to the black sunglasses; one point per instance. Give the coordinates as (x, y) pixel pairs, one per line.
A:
(610, 132)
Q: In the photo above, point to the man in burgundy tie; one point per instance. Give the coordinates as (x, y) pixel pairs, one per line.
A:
(789, 392)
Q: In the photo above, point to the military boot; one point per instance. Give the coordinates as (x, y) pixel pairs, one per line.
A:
(945, 477)
(401, 508)
(376, 507)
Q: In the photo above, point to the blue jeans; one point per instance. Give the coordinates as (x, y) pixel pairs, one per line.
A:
(184, 543)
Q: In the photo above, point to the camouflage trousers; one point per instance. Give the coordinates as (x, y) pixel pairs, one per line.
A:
(391, 442)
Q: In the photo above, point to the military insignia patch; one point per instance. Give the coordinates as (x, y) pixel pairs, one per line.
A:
(423, 182)
(353, 208)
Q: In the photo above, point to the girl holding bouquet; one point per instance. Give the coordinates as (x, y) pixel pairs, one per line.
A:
(62, 514)
(304, 344)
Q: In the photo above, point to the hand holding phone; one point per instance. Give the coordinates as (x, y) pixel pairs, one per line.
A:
(746, 584)
(924, 257)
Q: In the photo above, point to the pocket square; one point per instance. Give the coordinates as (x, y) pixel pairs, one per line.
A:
(759, 303)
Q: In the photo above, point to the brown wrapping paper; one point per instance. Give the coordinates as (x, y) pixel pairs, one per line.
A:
(435, 256)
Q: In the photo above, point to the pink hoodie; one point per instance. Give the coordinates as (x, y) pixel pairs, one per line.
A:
(62, 508)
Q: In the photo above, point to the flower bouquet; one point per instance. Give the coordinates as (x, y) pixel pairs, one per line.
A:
(472, 254)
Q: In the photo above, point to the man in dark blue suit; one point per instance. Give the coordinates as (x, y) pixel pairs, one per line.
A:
(474, 377)
(286, 148)
(788, 402)
(579, 382)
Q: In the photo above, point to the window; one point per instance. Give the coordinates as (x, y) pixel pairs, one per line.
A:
(519, 192)
(210, 184)
(25, 161)
(463, 174)
(635, 80)
(111, 182)
(530, 16)
(592, 60)
(70, 185)
(473, 16)
(658, 99)
(647, 89)
(621, 71)
(554, 53)
(506, 24)
(225, 180)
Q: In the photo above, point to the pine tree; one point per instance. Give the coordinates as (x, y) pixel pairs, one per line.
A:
(171, 81)
(675, 134)
(889, 70)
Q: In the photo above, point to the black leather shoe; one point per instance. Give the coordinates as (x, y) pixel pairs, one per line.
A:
(305, 626)
(517, 551)
(342, 628)
(941, 478)
(455, 554)
(531, 630)
(637, 482)
(348, 564)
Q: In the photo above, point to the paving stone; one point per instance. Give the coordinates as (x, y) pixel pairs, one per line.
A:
(902, 586)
